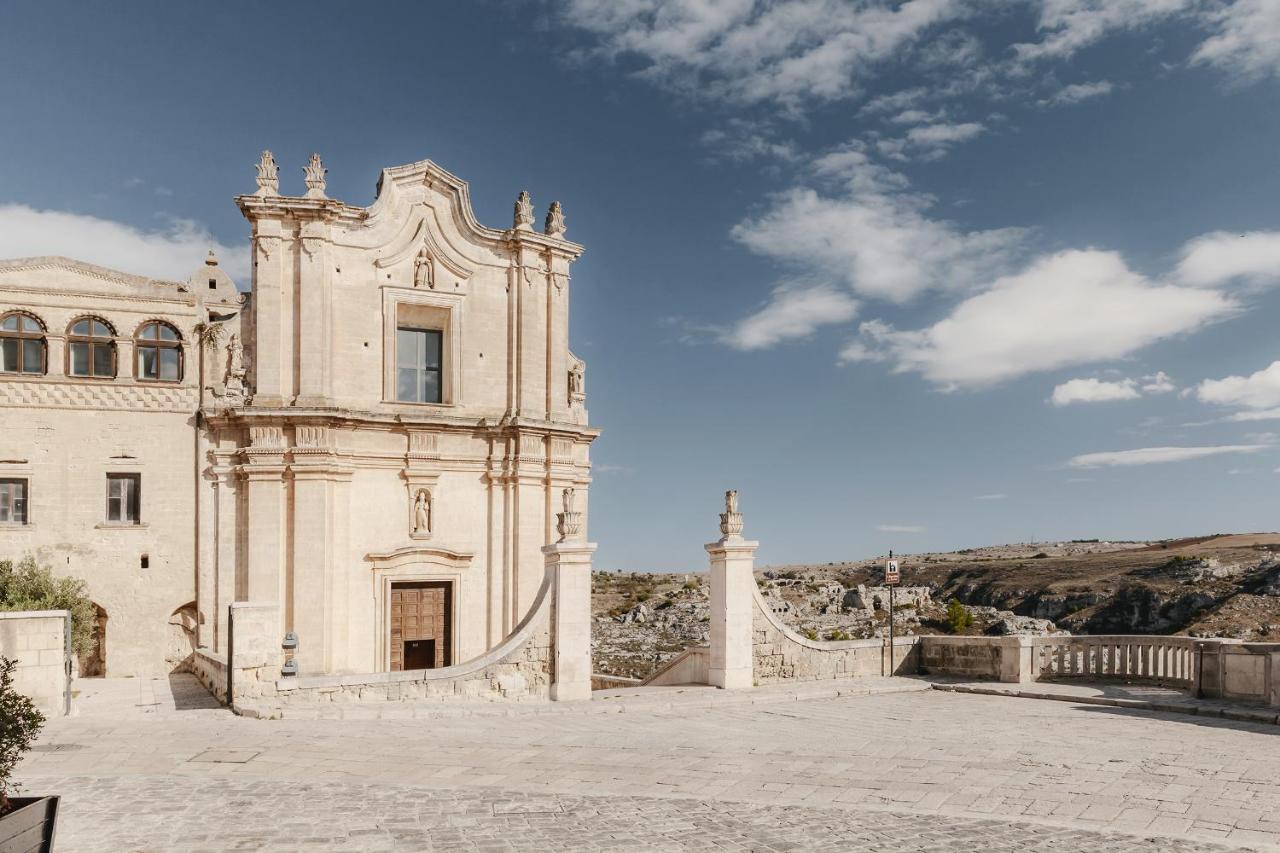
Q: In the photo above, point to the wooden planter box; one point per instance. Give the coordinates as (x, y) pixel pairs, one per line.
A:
(29, 827)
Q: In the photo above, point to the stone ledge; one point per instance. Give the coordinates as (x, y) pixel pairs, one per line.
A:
(1193, 707)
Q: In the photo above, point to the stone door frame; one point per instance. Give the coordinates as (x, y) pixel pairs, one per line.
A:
(409, 565)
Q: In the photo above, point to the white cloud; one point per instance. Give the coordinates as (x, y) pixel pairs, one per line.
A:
(1217, 258)
(1249, 417)
(1069, 25)
(1157, 455)
(992, 497)
(173, 252)
(879, 243)
(792, 312)
(1247, 42)
(1071, 308)
(1260, 390)
(1158, 383)
(894, 101)
(1094, 391)
(1077, 92)
(900, 528)
(754, 51)
(741, 141)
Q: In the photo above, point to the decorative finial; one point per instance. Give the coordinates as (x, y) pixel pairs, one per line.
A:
(268, 175)
(211, 260)
(569, 522)
(524, 212)
(315, 172)
(731, 519)
(554, 226)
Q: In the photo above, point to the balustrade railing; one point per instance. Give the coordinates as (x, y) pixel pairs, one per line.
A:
(1162, 660)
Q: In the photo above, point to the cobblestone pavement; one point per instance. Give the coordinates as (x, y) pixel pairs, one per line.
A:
(257, 815)
(926, 769)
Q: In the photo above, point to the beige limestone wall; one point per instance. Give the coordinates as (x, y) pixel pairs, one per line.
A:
(780, 654)
(40, 642)
(66, 456)
(692, 666)
(998, 658)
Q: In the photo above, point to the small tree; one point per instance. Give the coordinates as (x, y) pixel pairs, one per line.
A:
(20, 722)
(30, 586)
(957, 617)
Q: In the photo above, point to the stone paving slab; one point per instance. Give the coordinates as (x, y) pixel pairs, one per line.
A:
(935, 755)
(1143, 697)
(144, 813)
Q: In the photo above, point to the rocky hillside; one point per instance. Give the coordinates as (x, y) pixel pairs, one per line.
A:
(1209, 586)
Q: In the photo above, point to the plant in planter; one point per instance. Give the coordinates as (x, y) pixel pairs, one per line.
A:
(26, 823)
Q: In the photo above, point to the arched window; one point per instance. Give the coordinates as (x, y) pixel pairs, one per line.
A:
(91, 349)
(159, 349)
(22, 344)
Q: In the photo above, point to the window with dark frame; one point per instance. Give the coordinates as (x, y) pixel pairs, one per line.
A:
(159, 353)
(22, 345)
(124, 498)
(418, 365)
(13, 501)
(91, 349)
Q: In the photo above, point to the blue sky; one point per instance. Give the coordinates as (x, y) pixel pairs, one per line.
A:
(919, 275)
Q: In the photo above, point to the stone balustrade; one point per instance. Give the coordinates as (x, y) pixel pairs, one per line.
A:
(1170, 661)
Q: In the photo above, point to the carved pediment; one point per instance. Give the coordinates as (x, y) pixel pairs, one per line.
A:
(54, 272)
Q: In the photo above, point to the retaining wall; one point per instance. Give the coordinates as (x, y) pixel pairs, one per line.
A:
(40, 642)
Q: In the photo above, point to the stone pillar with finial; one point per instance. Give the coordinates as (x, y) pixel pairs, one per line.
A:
(732, 600)
(315, 177)
(522, 219)
(554, 225)
(568, 561)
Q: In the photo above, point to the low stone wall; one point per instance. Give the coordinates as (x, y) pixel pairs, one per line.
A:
(780, 654)
(692, 666)
(210, 668)
(995, 658)
(40, 642)
(600, 681)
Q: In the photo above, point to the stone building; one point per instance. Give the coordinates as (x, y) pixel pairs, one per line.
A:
(375, 438)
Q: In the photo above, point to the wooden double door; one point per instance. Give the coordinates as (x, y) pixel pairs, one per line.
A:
(421, 625)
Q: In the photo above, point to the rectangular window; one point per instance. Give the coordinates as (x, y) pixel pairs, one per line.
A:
(13, 501)
(124, 498)
(418, 356)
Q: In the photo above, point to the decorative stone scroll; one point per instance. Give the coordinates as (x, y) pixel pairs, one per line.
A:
(569, 522)
(731, 519)
(554, 226)
(523, 220)
(268, 176)
(315, 180)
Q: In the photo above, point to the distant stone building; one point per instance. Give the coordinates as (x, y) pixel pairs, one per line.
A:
(375, 437)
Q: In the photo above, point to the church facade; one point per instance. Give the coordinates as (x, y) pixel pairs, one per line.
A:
(375, 438)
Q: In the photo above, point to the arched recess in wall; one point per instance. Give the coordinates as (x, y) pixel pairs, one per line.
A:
(94, 664)
(180, 637)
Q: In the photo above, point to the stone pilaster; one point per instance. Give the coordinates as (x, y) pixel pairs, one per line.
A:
(732, 601)
(569, 562)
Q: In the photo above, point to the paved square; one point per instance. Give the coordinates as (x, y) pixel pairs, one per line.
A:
(909, 771)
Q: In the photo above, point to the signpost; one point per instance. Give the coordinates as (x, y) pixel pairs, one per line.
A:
(891, 579)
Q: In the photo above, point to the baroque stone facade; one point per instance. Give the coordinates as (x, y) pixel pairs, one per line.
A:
(390, 415)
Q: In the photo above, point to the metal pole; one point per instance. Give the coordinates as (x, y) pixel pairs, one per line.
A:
(891, 586)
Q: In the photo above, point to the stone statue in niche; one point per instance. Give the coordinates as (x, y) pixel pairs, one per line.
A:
(234, 380)
(422, 512)
(423, 274)
(577, 379)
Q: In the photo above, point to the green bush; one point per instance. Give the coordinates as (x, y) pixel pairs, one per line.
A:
(837, 634)
(20, 722)
(810, 634)
(29, 586)
(957, 617)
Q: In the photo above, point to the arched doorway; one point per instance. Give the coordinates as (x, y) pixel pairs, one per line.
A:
(180, 637)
